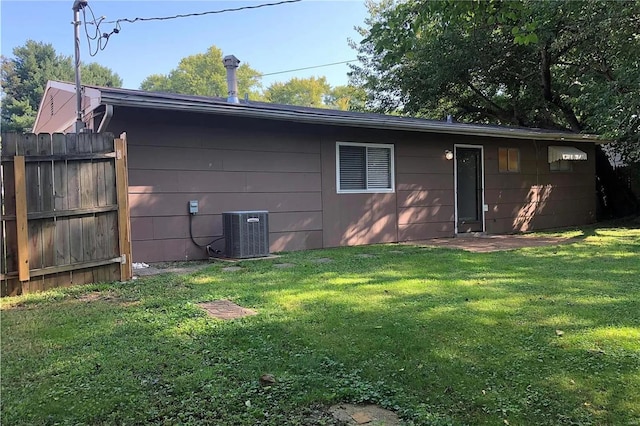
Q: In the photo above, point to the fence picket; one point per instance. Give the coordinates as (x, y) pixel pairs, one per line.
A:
(9, 255)
(61, 200)
(30, 147)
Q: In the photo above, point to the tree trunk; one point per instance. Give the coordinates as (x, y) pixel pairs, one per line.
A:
(553, 98)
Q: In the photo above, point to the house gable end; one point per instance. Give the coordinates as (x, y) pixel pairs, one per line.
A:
(57, 110)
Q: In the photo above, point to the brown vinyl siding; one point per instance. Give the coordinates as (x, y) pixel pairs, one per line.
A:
(421, 207)
(217, 158)
(425, 197)
(289, 169)
(354, 219)
(286, 241)
(217, 154)
(536, 198)
(425, 188)
(225, 165)
(421, 231)
(413, 182)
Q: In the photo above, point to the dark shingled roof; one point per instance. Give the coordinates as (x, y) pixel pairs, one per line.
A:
(217, 105)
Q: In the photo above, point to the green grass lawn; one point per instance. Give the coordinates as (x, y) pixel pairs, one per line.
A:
(534, 336)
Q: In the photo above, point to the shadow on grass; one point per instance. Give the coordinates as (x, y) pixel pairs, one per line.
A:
(537, 336)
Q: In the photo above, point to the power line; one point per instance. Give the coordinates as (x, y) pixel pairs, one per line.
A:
(307, 68)
(212, 12)
(102, 39)
(97, 37)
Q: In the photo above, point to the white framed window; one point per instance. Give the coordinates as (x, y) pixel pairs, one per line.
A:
(364, 167)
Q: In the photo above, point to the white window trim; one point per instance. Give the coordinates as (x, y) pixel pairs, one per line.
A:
(389, 146)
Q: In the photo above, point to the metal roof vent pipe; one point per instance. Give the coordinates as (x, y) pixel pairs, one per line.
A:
(231, 64)
(450, 119)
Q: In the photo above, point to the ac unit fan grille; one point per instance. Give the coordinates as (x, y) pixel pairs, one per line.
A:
(246, 234)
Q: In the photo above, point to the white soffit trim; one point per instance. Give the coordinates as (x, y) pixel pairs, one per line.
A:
(557, 153)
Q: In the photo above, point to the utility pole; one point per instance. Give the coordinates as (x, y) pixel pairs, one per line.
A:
(78, 5)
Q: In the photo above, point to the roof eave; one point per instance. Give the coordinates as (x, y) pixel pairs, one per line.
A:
(317, 118)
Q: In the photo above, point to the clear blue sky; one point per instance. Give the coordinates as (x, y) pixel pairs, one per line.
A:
(271, 39)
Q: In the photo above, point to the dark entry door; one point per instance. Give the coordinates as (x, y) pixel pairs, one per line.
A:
(469, 189)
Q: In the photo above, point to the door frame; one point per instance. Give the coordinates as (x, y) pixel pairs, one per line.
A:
(455, 183)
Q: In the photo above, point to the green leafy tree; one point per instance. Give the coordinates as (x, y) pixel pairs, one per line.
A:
(203, 74)
(156, 83)
(309, 92)
(346, 98)
(315, 92)
(538, 63)
(25, 75)
(98, 75)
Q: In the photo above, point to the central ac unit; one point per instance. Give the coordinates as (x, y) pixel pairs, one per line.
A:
(246, 234)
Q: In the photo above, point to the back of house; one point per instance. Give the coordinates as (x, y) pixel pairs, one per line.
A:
(326, 178)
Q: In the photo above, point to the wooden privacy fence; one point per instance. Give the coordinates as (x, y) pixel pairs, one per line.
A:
(65, 216)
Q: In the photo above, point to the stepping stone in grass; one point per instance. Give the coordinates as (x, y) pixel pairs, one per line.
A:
(365, 255)
(370, 415)
(322, 260)
(396, 252)
(231, 269)
(226, 309)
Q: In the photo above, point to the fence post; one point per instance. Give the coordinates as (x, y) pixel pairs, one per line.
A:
(22, 233)
(122, 190)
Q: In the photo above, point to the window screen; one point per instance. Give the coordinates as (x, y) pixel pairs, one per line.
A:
(378, 168)
(365, 167)
(352, 167)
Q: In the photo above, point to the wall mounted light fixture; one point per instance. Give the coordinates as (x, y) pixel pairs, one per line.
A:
(448, 154)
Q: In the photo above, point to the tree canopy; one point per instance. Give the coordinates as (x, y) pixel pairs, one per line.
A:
(346, 98)
(536, 63)
(203, 74)
(25, 75)
(315, 92)
(310, 92)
